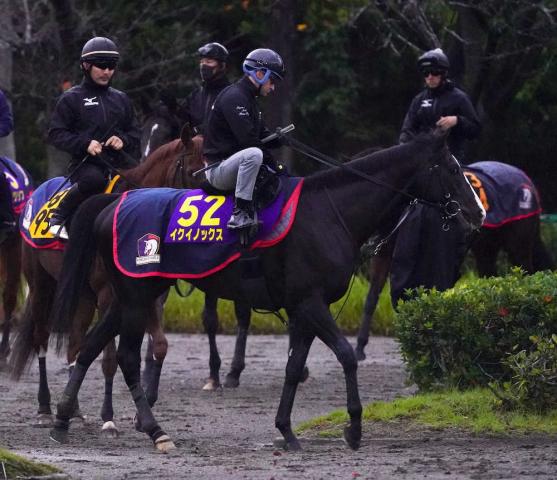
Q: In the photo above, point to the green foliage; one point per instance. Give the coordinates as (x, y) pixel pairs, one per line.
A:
(184, 314)
(19, 467)
(474, 410)
(533, 385)
(460, 337)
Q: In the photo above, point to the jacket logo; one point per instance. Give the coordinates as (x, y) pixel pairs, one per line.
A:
(242, 111)
(428, 102)
(89, 101)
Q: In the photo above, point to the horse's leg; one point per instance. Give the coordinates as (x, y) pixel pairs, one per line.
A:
(11, 259)
(485, 250)
(314, 315)
(243, 316)
(109, 367)
(129, 359)
(211, 324)
(379, 268)
(98, 337)
(520, 241)
(157, 347)
(301, 339)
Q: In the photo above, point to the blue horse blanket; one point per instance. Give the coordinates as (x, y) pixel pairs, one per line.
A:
(182, 233)
(20, 183)
(506, 192)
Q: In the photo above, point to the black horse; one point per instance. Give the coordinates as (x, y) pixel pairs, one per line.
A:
(512, 226)
(311, 268)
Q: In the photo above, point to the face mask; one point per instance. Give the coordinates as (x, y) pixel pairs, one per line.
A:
(207, 72)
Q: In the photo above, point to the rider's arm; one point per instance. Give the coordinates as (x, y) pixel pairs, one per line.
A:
(410, 125)
(6, 120)
(468, 122)
(61, 131)
(244, 126)
(128, 130)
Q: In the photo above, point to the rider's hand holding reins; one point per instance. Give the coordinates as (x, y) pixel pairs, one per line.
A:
(115, 142)
(447, 122)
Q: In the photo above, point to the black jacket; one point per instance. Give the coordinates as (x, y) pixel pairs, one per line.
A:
(235, 123)
(431, 104)
(195, 110)
(91, 112)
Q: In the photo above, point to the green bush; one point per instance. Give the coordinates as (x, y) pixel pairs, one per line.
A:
(533, 385)
(460, 337)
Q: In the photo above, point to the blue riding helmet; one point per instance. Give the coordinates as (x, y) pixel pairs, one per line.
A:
(266, 60)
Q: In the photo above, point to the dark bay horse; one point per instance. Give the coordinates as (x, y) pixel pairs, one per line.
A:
(10, 251)
(171, 165)
(337, 211)
(512, 226)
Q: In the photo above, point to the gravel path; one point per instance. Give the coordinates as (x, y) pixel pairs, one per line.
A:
(229, 433)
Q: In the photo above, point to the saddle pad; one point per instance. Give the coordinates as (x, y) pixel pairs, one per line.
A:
(506, 192)
(33, 224)
(19, 181)
(182, 233)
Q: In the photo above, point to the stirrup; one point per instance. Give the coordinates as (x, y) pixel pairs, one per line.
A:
(59, 231)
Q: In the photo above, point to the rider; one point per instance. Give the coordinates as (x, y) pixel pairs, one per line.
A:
(90, 119)
(234, 132)
(424, 253)
(441, 104)
(7, 219)
(212, 68)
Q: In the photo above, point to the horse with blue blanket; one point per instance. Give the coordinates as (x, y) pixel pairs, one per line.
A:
(21, 187)
(171, 165)
(424, 256)
(304, 265)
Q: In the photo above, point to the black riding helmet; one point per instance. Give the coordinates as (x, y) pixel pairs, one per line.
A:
(214, 50)
(100, 50)
(434, 60)
(266, 60)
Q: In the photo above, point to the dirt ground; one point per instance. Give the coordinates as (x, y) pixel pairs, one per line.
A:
(230, 433)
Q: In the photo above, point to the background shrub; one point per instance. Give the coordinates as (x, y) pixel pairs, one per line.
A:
(461, 337)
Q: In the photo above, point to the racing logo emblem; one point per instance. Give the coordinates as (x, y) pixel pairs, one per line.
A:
(88, 102)
(148, 249)
(28, 214)
(427, 102)
(526, 199)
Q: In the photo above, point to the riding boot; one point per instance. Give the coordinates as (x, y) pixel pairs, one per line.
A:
(7, 219)
(242, 215)
(63, 212)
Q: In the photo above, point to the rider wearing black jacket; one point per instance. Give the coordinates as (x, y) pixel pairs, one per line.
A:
(212, 68)
(441, 104)
(89, 119)
(234, 132)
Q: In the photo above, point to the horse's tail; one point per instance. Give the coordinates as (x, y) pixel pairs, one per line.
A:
(76, 268)
(24, 348)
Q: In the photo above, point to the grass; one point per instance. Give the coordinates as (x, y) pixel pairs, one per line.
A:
(184, 314)
(16, 466)
(472, 410)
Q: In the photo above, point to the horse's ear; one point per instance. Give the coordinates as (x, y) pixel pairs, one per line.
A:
(186, 134)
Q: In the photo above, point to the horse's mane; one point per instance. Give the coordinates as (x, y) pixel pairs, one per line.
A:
(158, 159)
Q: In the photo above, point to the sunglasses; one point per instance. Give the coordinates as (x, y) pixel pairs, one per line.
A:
(105, 65)
(435, 73)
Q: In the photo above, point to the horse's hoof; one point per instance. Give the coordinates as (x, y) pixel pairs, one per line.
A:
(231, 382)
(211, 385)
(163, 444)
(109, 430)
(360, 355)
(78, 419)
(305, 374)
(59, 435)
(292, 445)
(45, 420)
(352, 438)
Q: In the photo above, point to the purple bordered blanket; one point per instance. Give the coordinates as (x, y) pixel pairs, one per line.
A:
(182, 233)
(33, 224)
(20, 183)
(506, 192)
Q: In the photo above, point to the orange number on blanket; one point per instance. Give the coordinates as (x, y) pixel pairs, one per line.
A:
(190, 209)
(477, 185)
(208, 220)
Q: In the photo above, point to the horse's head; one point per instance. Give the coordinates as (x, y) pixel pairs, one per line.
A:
(161, 126)
(444, 184)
